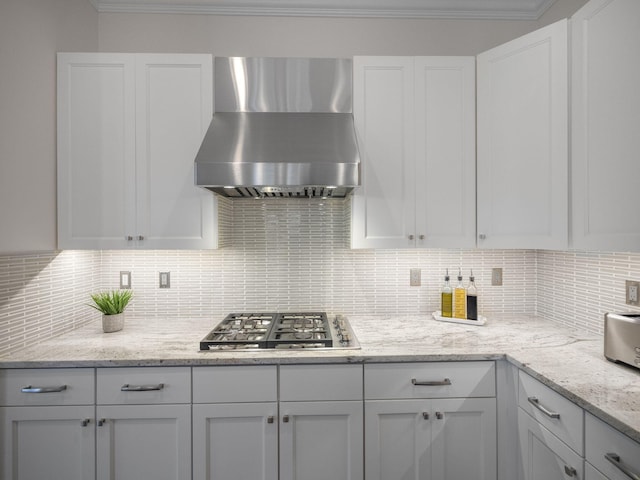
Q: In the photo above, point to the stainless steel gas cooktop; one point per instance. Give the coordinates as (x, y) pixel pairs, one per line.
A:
(251, 331)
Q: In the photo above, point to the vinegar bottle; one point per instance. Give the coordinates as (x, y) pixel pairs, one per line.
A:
(472, 299)
(460, 299)
(446, 298)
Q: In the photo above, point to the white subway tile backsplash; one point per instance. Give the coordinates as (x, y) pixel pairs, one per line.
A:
(294, 255)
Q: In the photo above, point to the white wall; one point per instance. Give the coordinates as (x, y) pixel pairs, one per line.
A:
(31, 32)
(315, 37)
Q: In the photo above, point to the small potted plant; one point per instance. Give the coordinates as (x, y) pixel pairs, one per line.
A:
(111, 305)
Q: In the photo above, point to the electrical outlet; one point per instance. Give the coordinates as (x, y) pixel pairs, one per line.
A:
(496, 277)
(415, 279)
(125, 280)
(164, 279)
(632, 290)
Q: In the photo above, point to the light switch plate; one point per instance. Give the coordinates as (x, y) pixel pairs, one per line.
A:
(125, 280)
(415, 277)
(164, 280)
(496, 277)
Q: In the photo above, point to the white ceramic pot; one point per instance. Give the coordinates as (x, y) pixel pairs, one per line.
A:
(112, 323)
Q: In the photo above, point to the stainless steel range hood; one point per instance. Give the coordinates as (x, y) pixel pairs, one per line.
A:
(283, 127)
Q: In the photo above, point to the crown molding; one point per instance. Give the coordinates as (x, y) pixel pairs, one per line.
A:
(451, 9)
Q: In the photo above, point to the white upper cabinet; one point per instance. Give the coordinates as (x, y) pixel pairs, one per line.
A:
(129, 127)
(605, 125)
(522, 162)
(415, 118)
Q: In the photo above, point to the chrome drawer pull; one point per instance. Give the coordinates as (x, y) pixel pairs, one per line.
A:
(85, 422)
(536, 403)
(31, 389)
(285, 419)
(620, 465)
(570, 471)
(102, 421)
(141, 388)
(439, 415)
(270, 419)
(425, 415)
(435, 383)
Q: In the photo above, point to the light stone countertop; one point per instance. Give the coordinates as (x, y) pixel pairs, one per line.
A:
(570, 362)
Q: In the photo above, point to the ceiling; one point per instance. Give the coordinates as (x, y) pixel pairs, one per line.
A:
(460, 9)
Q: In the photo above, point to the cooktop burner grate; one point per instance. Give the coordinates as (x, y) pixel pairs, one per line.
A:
(247, 331)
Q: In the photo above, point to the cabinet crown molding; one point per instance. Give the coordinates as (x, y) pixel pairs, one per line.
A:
(463, 9)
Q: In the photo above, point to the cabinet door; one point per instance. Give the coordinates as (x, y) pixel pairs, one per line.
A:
(238, 440)
(383, 208)
(321, 440)
(96, 150)
(47, 442)
(591, 473)
(445, 136)
(174, 106)
(397, 439)
(605, 125)
(144, 441)
(464, 439)
(523, 142)
(543, 456)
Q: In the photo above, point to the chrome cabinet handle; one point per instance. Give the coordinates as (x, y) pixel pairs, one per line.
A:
(425, 415)
(102, 421)
(421, 237)
(614, 458)
(285, 419)
(482, 236)
(411, 237)
(439, 415)
(270, 419)
(141, 388)
(536, 403)
(128, 238)
(85, 422)
(570, 471)
(140, 237)
(30, 389)
(430, 383)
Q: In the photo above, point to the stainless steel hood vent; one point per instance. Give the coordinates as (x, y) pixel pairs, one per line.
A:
(283, 127)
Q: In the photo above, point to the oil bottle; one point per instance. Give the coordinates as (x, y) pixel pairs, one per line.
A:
(460, 298)
(446, 298)
(472, 299)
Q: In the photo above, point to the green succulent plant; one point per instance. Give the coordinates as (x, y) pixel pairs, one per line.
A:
(111, 303)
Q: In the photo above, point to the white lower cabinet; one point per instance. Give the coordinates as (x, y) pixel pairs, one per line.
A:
(143, 423)
(430, 439)
(143, 441)
(610, 454)
(47, 427)
(321, 440)
(240, 431)
(544, 456)
(47, 443)
(551, 431)
(235, 423)
(235, 440)
(416, 428)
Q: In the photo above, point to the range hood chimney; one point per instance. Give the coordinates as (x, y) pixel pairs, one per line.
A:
(283, 127)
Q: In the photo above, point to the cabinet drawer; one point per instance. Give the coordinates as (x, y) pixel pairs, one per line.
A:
(602, 440)
(143, 385)
(561, 416)
(429, 380)
(235, 384)
(46, 386)
(320, 382)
